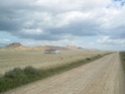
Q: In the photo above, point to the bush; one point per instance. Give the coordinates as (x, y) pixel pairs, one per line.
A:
(31, 71)
(88, 59)
(99, 55)
(15, 73)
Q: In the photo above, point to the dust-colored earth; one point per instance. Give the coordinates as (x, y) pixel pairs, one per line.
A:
(103, 76)
(38, 59)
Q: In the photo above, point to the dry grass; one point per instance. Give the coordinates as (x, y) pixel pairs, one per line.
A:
(12, 59)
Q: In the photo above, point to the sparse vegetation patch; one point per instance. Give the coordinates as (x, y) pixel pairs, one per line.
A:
(122, 55)
(18, 76)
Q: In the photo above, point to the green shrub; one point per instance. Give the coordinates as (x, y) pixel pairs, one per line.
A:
(88, 59)
(99, 55)
(31, 71)
(17, 76)
(14, 74)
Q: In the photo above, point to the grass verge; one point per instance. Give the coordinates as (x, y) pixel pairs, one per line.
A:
(18, 77)
(122, 55)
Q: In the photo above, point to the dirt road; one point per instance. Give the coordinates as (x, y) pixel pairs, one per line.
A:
(104, 76)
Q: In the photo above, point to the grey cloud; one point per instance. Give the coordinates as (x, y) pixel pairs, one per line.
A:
(13, 21)
(117, 32)
(15, 15)
(76, 28)
(81, 28)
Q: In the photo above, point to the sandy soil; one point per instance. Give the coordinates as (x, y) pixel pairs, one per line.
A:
(104, 76)
(11, 59)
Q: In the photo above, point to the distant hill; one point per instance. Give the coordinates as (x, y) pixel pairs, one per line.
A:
(56, 48)
(19, 46)
(48, 47)
(72, 47)
(13, 45)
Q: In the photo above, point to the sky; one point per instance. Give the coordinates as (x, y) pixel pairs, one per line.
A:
(89, 24)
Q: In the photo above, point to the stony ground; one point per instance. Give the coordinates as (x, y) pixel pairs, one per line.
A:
(103, 76)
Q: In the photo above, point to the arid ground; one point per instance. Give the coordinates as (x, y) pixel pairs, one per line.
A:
(103, 76)
(37, 59)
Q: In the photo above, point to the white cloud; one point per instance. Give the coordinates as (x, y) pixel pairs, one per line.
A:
(110, 41)
(47, 20)
(5, 40)
(69, 5)
(66, 18)
(32, 31)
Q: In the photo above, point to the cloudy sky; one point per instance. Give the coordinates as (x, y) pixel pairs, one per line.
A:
(85, 23)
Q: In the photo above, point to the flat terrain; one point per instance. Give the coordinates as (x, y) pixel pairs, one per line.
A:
(103, 76)
(37, 59)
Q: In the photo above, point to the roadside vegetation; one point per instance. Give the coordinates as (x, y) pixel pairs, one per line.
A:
(11, 59)
(122, 55)
(18, 76)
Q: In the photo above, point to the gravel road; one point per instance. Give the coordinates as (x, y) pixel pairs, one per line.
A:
(103, 76)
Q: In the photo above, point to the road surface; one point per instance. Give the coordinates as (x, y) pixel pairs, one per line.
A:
(103, 76)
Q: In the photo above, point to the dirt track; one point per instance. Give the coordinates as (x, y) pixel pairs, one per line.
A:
(104, 76)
